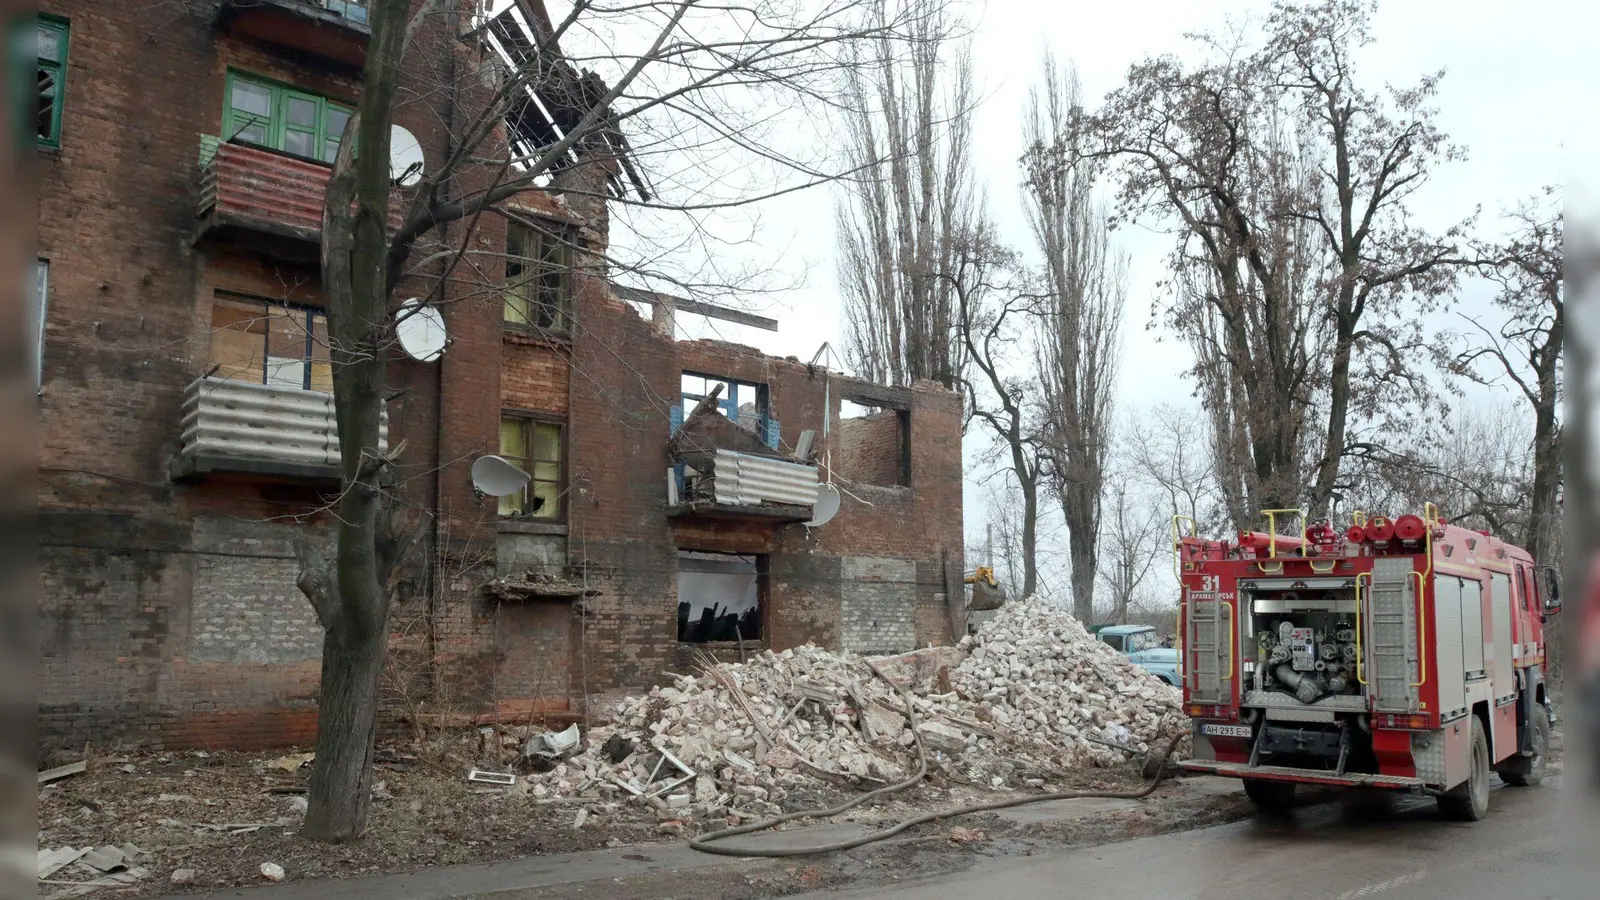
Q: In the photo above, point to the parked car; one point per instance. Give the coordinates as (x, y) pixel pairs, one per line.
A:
(1143, 647)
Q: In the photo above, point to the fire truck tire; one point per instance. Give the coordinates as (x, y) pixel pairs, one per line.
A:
(1270, 796)
(1527, 771)
(1469, 800)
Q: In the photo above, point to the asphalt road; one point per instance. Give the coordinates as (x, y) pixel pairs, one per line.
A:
(1527, 848)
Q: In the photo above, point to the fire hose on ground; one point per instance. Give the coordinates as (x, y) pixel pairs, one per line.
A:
(707, 843)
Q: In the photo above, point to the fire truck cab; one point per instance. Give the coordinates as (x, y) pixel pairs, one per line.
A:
(1400, 653)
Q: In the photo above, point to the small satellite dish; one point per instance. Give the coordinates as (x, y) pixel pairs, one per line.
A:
(827, 505)
(405, 157)
(421, 330)
(494, 476)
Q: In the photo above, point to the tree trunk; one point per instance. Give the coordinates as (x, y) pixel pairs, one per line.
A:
(1030, 520)
(341, 778)
(1080, 549)
(352, 602)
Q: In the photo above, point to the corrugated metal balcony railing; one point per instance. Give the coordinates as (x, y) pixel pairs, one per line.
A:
(743, 485)
(264, 190)
(236, 426)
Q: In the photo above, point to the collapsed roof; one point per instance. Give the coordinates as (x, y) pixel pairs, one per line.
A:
(557, 97)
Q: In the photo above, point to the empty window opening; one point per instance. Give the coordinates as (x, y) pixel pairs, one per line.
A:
(743, 402)
(874, 445)
(719, 597)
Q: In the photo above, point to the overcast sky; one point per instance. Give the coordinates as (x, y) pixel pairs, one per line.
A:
(1520, 90)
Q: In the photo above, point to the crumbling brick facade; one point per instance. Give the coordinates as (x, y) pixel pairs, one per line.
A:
(168, 604)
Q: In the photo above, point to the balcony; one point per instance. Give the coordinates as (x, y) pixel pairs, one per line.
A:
(335, 30)
(724, 484)
(261, 191)
(239, 427)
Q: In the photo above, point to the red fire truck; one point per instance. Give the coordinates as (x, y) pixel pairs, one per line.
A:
(1402, 653)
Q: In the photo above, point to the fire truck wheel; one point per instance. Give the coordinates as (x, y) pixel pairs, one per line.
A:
(1527, 771)
(1469, 800)
(1270, 796)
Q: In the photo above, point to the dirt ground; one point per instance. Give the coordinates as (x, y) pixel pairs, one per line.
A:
(175, 806)
(223, 815)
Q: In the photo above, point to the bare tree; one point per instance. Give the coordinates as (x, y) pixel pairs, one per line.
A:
(991, 310)
(1526, 349)
(907, 131)
(1131, 541)
(1299, 273)
(1169, 448)
(1085, 282)
(680, 86)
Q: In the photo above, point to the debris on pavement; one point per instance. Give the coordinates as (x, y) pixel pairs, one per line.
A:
(59, 772)
(1031, 695)
(959, 835)
(292, 762)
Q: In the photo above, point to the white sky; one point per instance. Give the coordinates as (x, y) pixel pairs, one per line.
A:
(1519, 91)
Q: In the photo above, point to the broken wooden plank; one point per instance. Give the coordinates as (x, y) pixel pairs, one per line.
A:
(59, 772)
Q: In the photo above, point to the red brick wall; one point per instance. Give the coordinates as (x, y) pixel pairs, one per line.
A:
(535, 376)
(870, 449)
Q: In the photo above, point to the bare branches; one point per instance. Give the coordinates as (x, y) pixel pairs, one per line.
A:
(907, 127)
(1078, 325)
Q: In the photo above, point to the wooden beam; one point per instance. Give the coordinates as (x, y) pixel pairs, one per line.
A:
(692, 306)
(868, 393)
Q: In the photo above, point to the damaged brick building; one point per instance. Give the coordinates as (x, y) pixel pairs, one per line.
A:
(187, 434)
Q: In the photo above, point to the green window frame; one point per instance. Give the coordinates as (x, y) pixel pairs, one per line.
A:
(52, 51)
(268, 114)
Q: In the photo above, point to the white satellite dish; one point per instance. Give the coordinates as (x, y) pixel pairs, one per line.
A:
(421, 330)
(827, 505)
(494, 476)
(405, 157)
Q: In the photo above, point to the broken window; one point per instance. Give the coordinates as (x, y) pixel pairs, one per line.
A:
(719, 597)
(535, 446)
(743, 402)
(52, 41)
(538, 293)
(266, 342)
(874, 445)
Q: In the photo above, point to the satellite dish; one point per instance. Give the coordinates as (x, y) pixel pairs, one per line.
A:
(421, 330)
(827, 506)
(405, 157)
(494, 476)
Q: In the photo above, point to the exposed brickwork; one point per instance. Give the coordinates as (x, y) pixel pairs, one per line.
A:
(535, 376)
(870, 450)
(169, 614)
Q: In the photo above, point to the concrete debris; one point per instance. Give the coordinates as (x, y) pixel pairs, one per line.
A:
(1031, 694)
(959, 835)
(292, 762)
(272, 871)
(53, 861)
(184, 876)
(59, 772)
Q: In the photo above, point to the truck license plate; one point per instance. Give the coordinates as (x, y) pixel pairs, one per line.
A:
(1241, 731)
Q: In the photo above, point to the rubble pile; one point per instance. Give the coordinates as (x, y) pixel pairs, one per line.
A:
(1032, 694)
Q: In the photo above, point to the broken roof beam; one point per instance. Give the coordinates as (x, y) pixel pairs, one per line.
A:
(671, 304)
(868, 393)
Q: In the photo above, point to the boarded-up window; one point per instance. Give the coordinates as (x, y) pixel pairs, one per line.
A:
(270, 343)
(719, 597)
